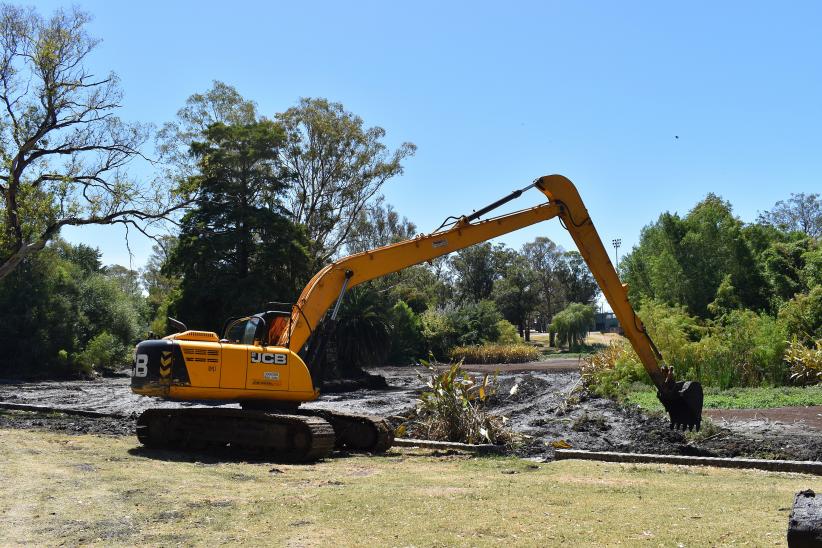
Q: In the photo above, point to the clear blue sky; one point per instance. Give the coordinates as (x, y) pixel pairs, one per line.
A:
(497, 94)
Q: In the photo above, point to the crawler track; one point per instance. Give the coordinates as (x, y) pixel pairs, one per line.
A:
(356, 432)
(292, 438)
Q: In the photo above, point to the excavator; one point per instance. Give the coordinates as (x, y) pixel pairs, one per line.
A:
(271, 362)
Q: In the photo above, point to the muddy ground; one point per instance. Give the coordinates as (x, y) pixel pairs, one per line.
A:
(546, 409)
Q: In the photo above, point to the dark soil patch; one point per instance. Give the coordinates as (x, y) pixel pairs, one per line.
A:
(69, 424)
(547, 408)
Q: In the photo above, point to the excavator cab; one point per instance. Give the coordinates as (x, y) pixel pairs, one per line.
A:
(259, 329)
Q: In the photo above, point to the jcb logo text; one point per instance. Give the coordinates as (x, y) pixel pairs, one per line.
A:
(266, 357)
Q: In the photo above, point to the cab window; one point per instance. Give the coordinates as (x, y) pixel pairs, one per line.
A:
(242, 331)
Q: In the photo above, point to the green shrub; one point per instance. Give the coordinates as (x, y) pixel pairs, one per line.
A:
(508, 333)
(495, 353)
(406, 335)
(437, 335)
(453, 409)
(756, 345)
(671, 327)
(611, 371)
(474, 323)
(103, 353)
(741, 348)
(467, 325)
(803, 316)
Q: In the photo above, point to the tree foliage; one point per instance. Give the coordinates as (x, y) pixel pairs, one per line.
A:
(222, 104)
(577, 281)
(801, 212)
(517, 293)
(336, 166)
(476, 268)
(546, 260)
(158, 283)
(63, 315)
(363, 334)
(64, 151)
(376, 225)
(237, 248)
(686, 260)
(406, 335)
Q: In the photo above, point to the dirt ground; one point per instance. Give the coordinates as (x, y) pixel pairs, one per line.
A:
(545, 408)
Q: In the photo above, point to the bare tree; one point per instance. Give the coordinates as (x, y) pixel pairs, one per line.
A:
(378, 224)
(336, 167)
(801, 212)
(546, 259)
(64, 151)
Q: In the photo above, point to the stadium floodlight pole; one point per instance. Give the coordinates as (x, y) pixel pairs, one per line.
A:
(617, 242)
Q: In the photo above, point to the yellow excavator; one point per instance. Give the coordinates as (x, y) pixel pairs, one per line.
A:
(271, 362)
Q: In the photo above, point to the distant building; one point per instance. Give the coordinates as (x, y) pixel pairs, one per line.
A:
(606, 322)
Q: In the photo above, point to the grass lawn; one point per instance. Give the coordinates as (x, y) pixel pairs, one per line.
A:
(594, 342)
(740, 398)
(57, 488)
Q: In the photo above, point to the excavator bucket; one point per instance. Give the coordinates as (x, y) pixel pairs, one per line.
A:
(683, 402)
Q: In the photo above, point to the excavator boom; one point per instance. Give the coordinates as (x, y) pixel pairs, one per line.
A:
(683, 400)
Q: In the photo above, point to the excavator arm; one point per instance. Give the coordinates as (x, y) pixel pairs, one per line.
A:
(682, 400)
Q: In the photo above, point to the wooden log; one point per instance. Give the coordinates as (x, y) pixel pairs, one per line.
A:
(430, 444)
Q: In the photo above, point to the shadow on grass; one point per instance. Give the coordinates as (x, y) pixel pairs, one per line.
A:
(582, 349)
(228, 454)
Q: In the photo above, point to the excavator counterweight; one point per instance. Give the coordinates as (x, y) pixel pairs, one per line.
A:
(260, 360)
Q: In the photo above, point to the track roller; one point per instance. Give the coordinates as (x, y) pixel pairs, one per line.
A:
(292, 438)
(356, 432)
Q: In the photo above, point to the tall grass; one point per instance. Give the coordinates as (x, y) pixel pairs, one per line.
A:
(495, 353)
(611, 371)
(742, 348)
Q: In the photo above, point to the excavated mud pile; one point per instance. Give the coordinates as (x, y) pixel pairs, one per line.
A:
(552, 411)
(547, 408)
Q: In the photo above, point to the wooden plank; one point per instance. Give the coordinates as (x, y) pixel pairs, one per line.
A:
(45, 409)
(430, 444)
